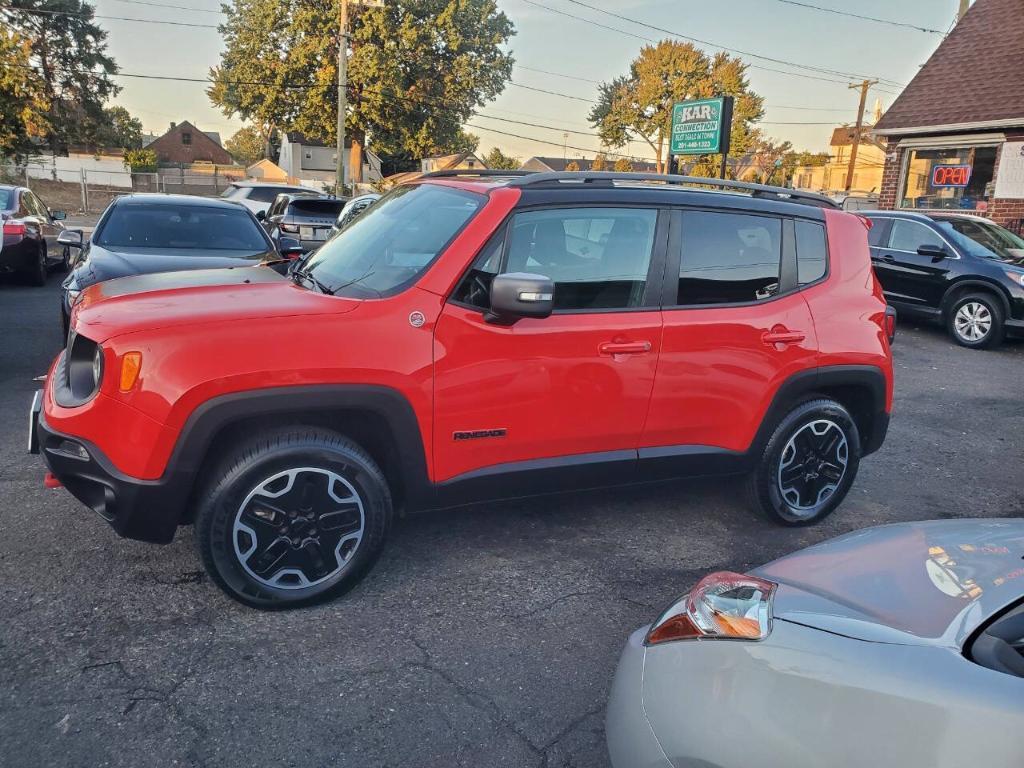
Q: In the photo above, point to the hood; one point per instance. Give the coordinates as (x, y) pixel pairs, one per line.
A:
(927, 583)
(108, 263)
(170, 299)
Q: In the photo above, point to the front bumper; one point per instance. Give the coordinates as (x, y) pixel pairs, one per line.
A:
(1014, 328)
(147, 510)
(631, 740)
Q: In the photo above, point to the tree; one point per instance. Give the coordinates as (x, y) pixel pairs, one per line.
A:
(600, 162)
(767, 159)
(500, 161)
(22, 103)
(572, 165)
(246, 146)
(640, 102)
(68, 51)
(140, 160)
(417, 71)
(623, 165)
(120, 129)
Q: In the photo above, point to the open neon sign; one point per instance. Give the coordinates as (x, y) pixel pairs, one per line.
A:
(951, 175)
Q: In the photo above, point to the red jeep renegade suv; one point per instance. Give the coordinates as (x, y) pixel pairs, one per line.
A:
(474, 337)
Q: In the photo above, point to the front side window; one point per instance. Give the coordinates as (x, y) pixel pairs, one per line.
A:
(949, 178)
(911, 235)
(181, 227)
(598, 258)
(729, 258)
(394, 241)
(983, 238)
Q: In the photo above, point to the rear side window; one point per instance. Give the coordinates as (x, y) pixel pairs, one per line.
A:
(911, 235)
(811, 252)
(729, 258)
(598, 258)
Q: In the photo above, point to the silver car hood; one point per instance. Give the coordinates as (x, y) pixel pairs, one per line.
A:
(928, 583)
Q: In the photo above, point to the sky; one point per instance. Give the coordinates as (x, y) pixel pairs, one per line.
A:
(573, 55)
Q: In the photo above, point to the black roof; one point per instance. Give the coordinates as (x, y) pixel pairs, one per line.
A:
(157, 198)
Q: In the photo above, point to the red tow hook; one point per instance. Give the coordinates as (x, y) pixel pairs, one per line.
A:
(50, 481)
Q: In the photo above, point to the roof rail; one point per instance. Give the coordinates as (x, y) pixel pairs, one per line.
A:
(484, 172)
(756, 190)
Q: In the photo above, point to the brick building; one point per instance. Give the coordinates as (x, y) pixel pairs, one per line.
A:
(954, 139)
(184, 144)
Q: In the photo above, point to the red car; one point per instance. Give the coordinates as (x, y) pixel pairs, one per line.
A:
(474, 336)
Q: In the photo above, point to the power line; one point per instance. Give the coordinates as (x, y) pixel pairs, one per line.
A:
(558, 74)
(864, 18)
(559, 143)
(707, 42)
(40, 11)
(176, 7)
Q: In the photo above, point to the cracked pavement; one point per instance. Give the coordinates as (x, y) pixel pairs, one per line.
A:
(485, 636)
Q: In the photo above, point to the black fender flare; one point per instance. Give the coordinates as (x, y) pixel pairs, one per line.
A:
(868, 378)
(989, 286)
(212, 416)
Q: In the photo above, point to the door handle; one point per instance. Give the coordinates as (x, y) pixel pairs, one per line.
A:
(624, 347)
(888, 257)
(782, 336)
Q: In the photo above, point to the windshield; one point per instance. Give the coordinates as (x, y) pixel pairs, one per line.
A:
(394, 241)
(183, 227)
(984, 239)
(316, 207)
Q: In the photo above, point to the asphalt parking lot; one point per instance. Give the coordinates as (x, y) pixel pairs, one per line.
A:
(485, 636)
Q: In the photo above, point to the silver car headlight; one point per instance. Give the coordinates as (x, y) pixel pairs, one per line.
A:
(723, 605)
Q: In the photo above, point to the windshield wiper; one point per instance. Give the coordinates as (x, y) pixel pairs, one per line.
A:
(300, 275)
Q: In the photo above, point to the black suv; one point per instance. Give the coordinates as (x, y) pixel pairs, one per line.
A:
(958, 269)
(307, 218)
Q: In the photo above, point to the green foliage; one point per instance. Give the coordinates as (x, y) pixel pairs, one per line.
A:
(140, 160)
(68, 55)
(498, 160)
(119, 129)
(22, 104)
(639, 103)
(246, 146)
(417, 69)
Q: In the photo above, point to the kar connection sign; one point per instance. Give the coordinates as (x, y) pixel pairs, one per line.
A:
(701, 127)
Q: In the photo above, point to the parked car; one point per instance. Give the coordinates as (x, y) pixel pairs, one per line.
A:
(473, 337)
(147, 233)
(353, 208)
(307, 218)
(957, 269)
(859, 201)
(30, 232)
(903, 641)
(258, 195)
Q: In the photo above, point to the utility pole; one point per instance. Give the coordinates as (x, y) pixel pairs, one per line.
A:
(855, 142)
(339, 181)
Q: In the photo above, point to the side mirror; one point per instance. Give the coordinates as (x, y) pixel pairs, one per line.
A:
(71, 238)
(936, 252)
(518, 294)
(58, 215)
(289, 248)
(261, 215)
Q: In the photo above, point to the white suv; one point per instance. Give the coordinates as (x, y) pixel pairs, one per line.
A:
(258, 195)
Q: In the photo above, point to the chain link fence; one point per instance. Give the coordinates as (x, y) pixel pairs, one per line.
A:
(89, 190)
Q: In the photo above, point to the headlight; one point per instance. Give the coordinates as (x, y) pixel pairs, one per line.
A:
(1017, 277)
(722, 605)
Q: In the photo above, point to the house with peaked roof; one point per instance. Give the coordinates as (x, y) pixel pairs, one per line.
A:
(312, 161)
(184, 144)
(463, 161)
(831, 177)
(954, 138)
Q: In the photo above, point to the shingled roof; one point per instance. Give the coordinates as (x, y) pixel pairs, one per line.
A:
(973, 80)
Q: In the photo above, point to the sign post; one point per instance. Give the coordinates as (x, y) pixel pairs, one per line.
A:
(702, 127)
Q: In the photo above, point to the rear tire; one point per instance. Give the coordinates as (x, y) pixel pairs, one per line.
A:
(808, 464)
(37, 272)
(292, 517)
(975, 321)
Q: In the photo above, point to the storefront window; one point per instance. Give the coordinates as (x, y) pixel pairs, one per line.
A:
(953, 177)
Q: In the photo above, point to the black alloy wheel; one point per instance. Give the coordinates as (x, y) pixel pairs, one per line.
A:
(808, 464)
(293, 518)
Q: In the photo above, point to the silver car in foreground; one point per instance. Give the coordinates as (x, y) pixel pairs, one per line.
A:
(901, 645)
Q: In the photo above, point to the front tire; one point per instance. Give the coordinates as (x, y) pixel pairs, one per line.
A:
(975, 321)
(808, 464)
(292, 517)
